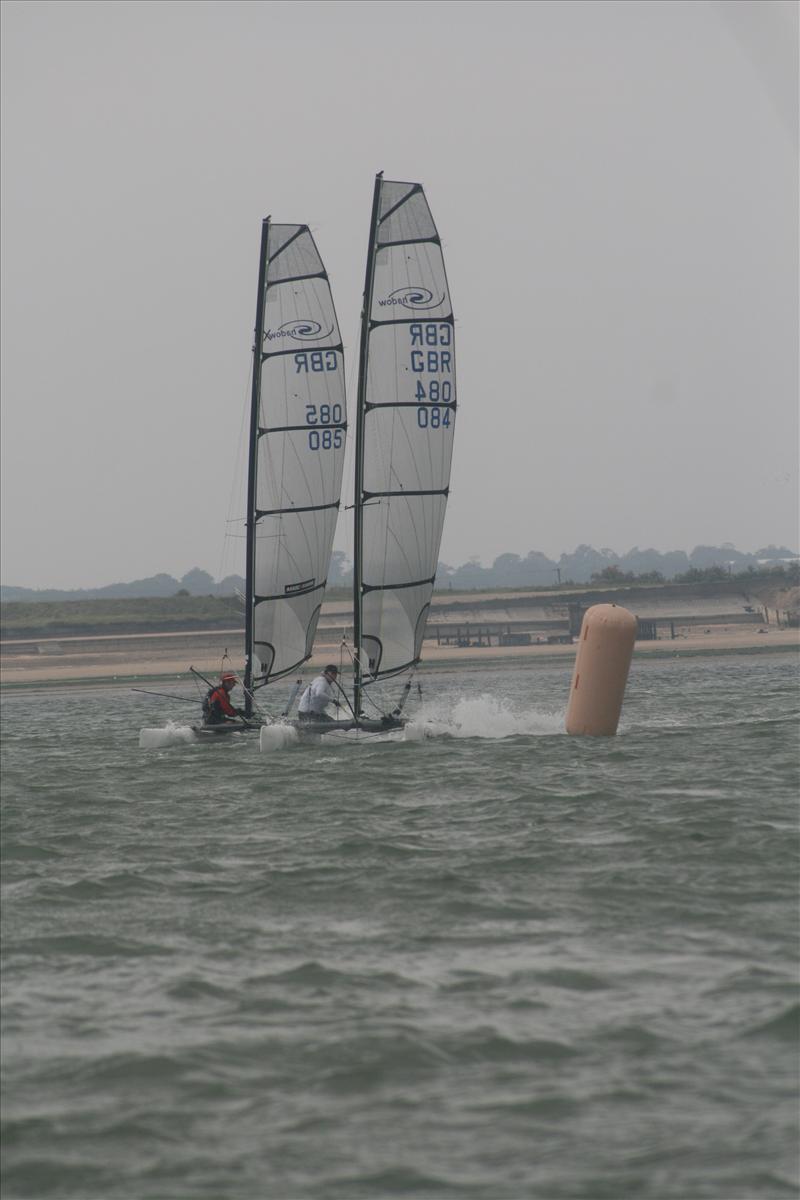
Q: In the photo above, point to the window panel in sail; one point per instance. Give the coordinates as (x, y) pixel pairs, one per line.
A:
(399, 617)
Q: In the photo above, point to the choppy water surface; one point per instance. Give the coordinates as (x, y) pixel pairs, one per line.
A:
(501, 963)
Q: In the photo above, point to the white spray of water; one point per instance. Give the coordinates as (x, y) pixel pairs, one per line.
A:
(276, 737)
(483, 716)
(170, 735)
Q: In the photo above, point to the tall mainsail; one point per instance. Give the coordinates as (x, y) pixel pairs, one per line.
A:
(404, 431)
(297, 438)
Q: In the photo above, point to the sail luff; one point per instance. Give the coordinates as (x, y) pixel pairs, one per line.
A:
(358, 501)
(252, 469)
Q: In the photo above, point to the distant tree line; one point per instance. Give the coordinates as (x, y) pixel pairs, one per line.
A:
(584, 565)
(587, 565)
(790, 573)
(193, 583)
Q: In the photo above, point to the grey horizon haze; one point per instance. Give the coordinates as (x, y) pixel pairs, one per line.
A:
(616, 188)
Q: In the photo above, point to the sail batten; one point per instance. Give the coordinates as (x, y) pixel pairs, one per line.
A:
(393, 587)
(280, 512)
(405, 424)
(265, 354)
(298, 428)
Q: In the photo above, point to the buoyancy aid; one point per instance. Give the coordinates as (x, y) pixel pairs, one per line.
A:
(217, 706)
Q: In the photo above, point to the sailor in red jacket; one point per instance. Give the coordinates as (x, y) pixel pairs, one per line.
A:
(217, 708)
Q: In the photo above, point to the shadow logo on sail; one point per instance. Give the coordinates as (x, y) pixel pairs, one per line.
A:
(412, 297)
(299, 330)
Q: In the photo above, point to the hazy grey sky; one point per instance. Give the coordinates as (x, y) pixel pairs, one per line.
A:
(616, 186)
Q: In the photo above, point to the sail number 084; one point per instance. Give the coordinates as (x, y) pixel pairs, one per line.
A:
(433, 396)
(433, 417)
(429, 415)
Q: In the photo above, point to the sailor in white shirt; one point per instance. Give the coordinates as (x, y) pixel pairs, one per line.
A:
(318, 695)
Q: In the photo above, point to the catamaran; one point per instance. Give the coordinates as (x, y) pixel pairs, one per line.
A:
(404, 425)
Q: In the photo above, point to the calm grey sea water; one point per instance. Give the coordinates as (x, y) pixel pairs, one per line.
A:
(498, 964)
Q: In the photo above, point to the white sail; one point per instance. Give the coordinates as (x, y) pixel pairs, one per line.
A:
(297, 452)
(407, 419)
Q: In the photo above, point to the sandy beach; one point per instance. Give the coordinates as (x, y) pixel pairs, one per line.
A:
(115, 658)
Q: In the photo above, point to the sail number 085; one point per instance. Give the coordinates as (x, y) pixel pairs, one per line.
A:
(325, 439)
(325, 415)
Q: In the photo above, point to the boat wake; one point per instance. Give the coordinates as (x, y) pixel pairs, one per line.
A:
(484, 716)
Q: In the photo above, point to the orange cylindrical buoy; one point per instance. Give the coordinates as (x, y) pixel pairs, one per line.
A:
(601, 670)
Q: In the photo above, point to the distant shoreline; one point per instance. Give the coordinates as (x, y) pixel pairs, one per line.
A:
(117, 663)
(189, 615)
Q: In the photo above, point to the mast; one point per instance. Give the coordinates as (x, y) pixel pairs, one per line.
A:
(358, 498)
(252, 466)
